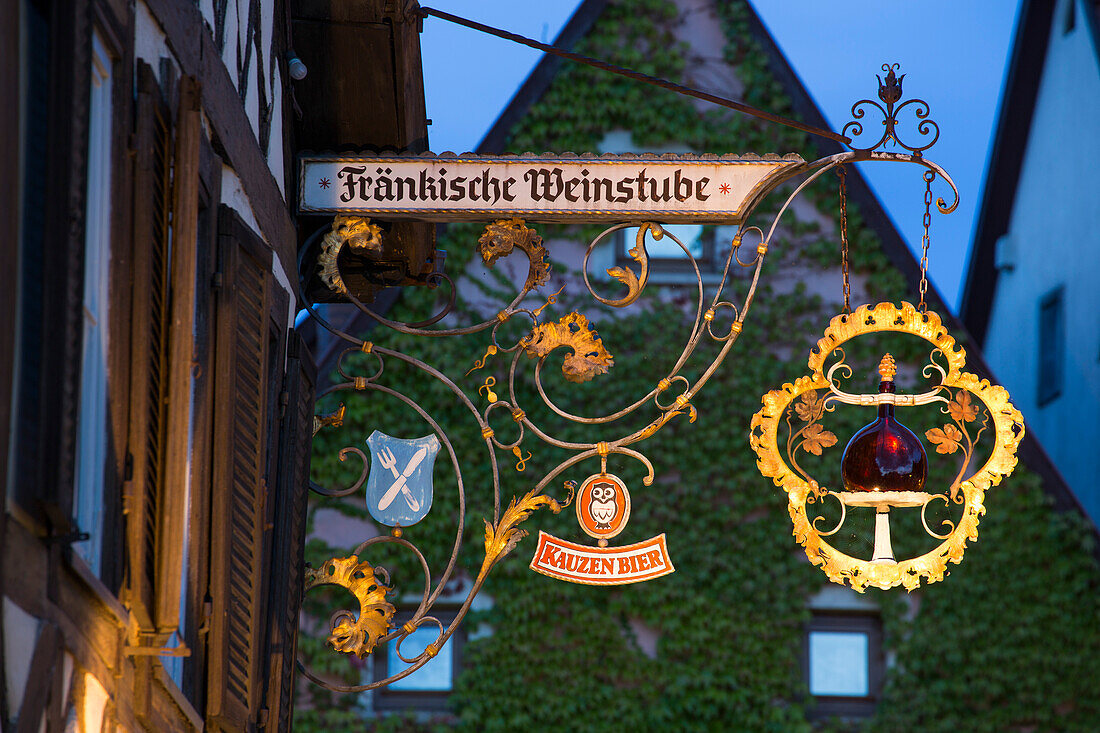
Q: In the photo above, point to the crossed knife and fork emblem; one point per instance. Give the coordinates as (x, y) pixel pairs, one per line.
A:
(399, 489)
(389, 461)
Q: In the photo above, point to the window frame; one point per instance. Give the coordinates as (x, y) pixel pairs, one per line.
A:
(1051, 345)
(847, 706)
(91, 441)
(385, 700)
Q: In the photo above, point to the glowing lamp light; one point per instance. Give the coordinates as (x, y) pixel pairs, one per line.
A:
(884, 465)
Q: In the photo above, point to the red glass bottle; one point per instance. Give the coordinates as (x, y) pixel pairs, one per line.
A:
(884, 455)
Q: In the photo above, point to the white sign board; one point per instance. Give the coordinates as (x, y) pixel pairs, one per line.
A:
(667, 188)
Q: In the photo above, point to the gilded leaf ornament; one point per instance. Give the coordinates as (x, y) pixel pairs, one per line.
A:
(503, 236)
(350, 633)
(503, 538)
(810, 407)
(815, 437)
(332, 419)
(355, 231)
(960, 408)
(588, 357)
(946, 439)
(635, 284)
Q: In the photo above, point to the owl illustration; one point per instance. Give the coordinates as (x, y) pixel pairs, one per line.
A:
(603, 508)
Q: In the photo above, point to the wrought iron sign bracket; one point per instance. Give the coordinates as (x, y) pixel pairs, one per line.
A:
(624, 192)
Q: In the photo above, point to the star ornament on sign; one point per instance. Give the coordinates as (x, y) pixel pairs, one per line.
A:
(324, 183)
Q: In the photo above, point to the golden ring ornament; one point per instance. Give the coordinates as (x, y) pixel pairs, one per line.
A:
(957, 384)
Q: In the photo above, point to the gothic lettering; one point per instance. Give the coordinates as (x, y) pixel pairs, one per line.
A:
(699, 186)
(565, 187)
(353, 176)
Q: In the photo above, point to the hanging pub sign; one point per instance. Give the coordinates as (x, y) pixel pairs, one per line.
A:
(603, 508)
(702, 189)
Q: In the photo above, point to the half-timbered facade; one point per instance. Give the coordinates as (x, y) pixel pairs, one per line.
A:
(155, 399)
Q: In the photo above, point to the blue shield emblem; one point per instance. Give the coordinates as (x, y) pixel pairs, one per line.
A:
(399, 488)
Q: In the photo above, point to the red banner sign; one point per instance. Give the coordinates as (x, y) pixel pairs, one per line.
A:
(601, 565)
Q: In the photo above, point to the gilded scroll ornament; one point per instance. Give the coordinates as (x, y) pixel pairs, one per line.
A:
(588, 358)
(350, 633)
(635, 284)
(503, 538)
(354, 231)
(503, 236)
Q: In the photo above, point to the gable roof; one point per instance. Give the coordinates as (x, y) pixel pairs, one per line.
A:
(1030, 451)
(805, 110)
(1029, 50)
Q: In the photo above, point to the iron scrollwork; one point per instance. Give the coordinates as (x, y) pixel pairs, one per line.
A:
(717, 320)
(890, 93)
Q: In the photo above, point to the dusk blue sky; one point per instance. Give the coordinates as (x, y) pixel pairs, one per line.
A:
(953, 55)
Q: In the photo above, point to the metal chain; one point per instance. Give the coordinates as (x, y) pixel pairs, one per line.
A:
(929, 176)
(842, 175)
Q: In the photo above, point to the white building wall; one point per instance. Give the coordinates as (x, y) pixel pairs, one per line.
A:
(151, 46)
(255, 49)
(1054, 240)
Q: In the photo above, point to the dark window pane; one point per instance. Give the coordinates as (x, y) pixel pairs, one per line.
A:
(1051, 346)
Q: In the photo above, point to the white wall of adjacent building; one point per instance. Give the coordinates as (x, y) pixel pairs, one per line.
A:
(1053, 246)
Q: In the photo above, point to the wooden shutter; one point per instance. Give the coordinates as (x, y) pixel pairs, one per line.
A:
(153, 145)
(238, 509)
(173, 508)
(287, 557)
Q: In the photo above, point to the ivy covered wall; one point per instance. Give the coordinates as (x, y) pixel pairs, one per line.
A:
(1007, 642)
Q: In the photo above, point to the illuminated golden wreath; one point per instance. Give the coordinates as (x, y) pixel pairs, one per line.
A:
(1008, 431)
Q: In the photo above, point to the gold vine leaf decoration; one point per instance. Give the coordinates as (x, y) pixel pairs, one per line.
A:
(815, 437)
(502, 236)
(810, 407)
(961, 409)
(355, 634)
(948, 439)
(503, 538)
(589, 356)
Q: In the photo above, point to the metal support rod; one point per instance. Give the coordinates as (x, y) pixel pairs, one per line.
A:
(637, 76)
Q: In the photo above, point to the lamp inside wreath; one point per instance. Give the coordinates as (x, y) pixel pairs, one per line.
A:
(885, 465)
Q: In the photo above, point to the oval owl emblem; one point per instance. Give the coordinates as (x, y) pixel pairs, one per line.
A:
(603, 506)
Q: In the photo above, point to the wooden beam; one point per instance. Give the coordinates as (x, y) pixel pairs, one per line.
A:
(198, 56)
(44, 665)
(10, 180)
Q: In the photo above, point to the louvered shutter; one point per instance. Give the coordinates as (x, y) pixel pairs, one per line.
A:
(171, 520)
(149, 337)
(239, 491)
(292, 489)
